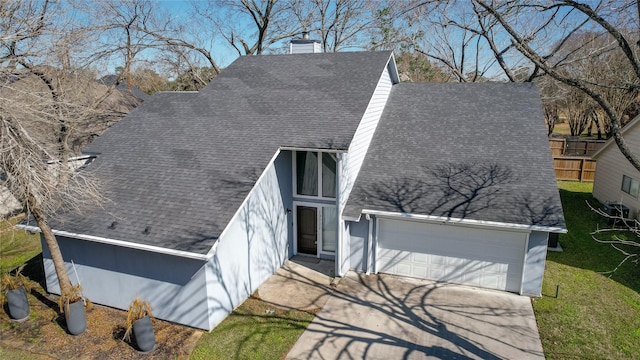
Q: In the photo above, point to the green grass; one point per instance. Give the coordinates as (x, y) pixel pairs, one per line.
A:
(250, 333)
(16, 246)
(595, 315)
(564, 129)
(14, 354)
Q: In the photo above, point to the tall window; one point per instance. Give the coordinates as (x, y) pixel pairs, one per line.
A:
(314, 177)
(630, 185)
(328, 175)
(329, 229)
(307, 172)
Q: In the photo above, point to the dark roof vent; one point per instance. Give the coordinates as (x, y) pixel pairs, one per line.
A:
(147, 230)
(113, 225)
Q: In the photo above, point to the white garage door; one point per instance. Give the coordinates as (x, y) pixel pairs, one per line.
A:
(462, 255)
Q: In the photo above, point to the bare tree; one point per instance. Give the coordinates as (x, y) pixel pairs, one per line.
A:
(39, 108)
(553, 95)
(250, 27)
(595, 58)
(340, 23)
(459, 36)
(618, 19)
(624, 237)
(578, 110)
(185, 42)
(414, 66)
(116, 32)
(148, 80)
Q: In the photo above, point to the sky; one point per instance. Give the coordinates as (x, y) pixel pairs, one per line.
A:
(224, 54)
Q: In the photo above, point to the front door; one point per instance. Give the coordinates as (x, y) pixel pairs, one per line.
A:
(307, 230)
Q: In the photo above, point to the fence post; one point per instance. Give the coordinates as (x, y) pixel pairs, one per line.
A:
(581, 170)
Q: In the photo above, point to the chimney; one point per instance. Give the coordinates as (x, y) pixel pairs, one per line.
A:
(305, 45)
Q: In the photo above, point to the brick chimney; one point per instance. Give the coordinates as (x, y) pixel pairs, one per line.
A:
(304, 45)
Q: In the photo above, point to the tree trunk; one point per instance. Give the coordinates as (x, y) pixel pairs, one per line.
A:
(54, 249)
(599, 128)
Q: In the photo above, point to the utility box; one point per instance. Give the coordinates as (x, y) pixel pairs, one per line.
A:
(553, 240)
(617, 211)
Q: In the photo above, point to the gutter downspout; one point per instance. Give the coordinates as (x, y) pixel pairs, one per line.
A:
(369, 244)
(375, 238)
(524, 262)
(338, 264)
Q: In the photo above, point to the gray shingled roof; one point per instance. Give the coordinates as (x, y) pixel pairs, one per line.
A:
(470, 151)
(181, 164)
(109, 80)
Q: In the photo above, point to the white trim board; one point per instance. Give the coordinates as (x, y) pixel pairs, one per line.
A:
(465, 222)
(122, 243)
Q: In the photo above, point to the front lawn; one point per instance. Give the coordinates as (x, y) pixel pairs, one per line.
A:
(16, 246)
(595, 315)
(255, 330)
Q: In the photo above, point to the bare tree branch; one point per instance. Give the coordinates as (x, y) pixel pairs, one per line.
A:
(629, 248)
(523, 45)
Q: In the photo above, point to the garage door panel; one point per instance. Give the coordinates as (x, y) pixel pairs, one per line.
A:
(493, 282)
(403, 269)
(460, 248)
(420, 271)
(477, 257)
(419, 257)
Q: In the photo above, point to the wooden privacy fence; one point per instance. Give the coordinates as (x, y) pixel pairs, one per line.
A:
(571, 147)
(557, 146)
(574, 168)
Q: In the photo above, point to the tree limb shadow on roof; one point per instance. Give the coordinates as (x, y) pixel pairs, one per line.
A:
(464, 191)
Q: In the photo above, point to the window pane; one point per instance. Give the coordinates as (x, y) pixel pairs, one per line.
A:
(329, 228)
(634, 188)
(307, 173)
(626, 183)
(328, 175)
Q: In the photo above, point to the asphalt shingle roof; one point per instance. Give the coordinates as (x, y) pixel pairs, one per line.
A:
(109, 80)
(181, 164)
(462, 151)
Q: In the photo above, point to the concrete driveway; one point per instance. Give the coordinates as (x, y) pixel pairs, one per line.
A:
(388, 317)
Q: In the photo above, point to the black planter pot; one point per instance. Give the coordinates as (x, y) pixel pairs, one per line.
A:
(18, 304)
(76, 318)
(143, 332)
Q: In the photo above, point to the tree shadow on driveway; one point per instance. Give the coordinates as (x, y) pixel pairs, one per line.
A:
(388, 317)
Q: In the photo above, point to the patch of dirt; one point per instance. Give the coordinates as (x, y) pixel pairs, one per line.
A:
(44, 333)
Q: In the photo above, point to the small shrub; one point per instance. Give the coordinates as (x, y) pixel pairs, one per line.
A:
(72, 295)
(15, 281)
(138, 309)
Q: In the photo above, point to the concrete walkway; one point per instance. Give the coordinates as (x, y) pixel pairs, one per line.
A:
(302, 283)
(387, 317)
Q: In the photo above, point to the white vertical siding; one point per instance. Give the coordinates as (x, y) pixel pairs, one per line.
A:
(350, 166)
(611, 165)
(363, 135)
(253, 246)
